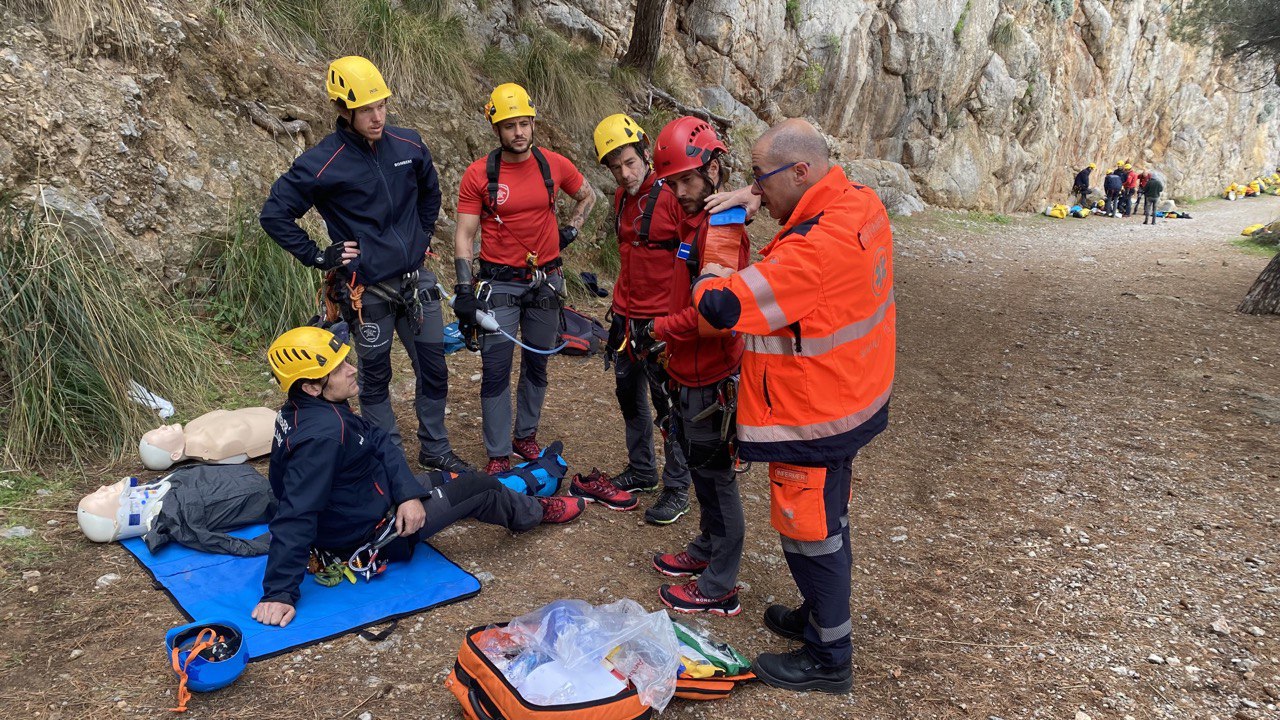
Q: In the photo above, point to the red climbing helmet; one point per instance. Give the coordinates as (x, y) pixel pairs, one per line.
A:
(686, 143)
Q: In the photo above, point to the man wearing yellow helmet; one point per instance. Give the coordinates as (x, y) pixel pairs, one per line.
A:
(337, 476)
(376, 187)
(647, 221)
(510, 197)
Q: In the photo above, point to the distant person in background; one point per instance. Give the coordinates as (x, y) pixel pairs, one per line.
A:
(1130, 192)
(1151, 194)
(1112, 185)
(1143, 177)
(1081, 185)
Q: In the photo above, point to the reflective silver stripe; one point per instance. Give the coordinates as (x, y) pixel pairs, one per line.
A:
(765, 300)
(795, 433)
(829, 635)
(814, 346)
(813, 549)
(844, 521)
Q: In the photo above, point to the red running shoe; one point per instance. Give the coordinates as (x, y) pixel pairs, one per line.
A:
(526, 448)
(596, 487)
(687, 598)
(557, 510)
(497, 465)
(679, 564)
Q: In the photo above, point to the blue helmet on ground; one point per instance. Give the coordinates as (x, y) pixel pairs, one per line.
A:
(206, 655)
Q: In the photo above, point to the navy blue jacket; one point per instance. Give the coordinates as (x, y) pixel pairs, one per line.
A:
(385, 196)
(1112, 183)
(1082, 179)
(335, 475)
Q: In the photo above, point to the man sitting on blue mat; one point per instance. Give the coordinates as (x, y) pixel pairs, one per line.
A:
(337, 476)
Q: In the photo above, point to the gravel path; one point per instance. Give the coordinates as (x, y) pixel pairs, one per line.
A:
(1073, 514)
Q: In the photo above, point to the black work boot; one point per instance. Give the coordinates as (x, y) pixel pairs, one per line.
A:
(448, 462)
(668, 508)
(784, 621)
(798, 670)
(634, 482)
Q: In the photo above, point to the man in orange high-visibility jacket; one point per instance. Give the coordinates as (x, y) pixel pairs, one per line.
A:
(819, 319)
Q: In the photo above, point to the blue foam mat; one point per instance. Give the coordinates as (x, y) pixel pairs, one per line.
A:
(205, 585)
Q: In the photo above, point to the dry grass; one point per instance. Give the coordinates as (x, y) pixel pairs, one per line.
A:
(84, 23)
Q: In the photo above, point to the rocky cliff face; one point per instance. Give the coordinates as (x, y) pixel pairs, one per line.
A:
(986, 104)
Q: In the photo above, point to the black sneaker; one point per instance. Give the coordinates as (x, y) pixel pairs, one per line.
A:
(784, 621)
(448, 462)
(634, 482)
(798, 670)
(671, 504)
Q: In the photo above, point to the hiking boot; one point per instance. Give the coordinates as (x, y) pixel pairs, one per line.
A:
(784, 621)
(799, 670)
(671, 504)
(634, 482)
(557, 510)
(497, 465)
(679, 564)
(596, 487)
(448, 462)
(687, 598)
(526, 448)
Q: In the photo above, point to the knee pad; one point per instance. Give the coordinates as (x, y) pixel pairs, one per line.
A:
(534, 367)
(496, 372)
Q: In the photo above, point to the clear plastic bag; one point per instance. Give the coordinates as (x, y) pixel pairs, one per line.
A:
(639, 645)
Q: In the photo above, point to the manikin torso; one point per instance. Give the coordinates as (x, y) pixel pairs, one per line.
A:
(222, 437)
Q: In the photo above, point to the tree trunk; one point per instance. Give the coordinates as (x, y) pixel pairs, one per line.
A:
(1264, 296)
(646, 37)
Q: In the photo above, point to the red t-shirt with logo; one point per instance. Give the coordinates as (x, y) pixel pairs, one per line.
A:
(643, 289)
(524, 221)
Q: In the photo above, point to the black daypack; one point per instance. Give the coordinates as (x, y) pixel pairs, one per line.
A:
(583, 335)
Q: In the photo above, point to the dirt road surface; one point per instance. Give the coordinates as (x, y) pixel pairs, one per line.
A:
(1079, 480)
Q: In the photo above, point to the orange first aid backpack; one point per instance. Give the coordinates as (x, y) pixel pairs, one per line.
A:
(485, 694)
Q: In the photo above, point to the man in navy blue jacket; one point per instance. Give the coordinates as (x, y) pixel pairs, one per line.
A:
(375, 185)
(337, 475)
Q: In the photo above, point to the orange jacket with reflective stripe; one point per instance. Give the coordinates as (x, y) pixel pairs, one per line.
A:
(820, 320)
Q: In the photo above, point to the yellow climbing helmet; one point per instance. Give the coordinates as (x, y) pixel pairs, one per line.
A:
(1093, 166)
(509, 100)
(305, 353)
(355, 81)
(616, 131)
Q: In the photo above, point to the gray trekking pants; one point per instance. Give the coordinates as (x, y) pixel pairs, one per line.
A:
(535, 316)
(639, 382)
(421, 331)
(721, 524)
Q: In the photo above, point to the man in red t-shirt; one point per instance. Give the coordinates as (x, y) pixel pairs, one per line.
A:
(509, 197)
(646, 220)
(704, 364)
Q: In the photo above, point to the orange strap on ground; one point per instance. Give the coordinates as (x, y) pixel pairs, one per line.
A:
(202, 643)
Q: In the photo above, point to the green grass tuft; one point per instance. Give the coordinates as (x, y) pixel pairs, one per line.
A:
(257, 290)
(564, 80)
(78, 328)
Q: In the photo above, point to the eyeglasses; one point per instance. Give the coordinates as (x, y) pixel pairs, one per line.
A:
(759, 179)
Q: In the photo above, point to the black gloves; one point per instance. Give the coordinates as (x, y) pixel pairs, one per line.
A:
(465, 305)
(330, 257)
(568, 234)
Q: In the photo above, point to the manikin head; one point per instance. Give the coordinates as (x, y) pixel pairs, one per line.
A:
(119, 511)
(161, 448)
